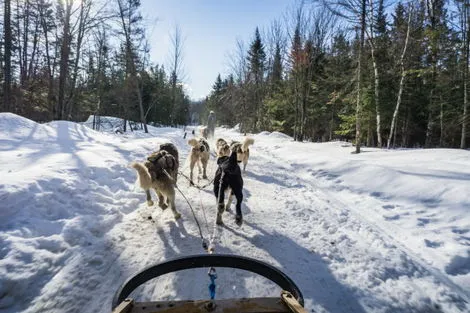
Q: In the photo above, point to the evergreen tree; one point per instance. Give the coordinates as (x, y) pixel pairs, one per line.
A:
(276, 72)
(256, 68)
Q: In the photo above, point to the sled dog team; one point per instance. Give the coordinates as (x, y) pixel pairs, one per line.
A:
(160, 172)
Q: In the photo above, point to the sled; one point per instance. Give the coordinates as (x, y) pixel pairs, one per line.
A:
(290, 300)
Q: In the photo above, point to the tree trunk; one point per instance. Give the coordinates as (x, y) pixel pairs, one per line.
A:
(434, 50)
(332, 121)
(376, 76)
(84, 13)
(101, 74)
(141, 106)
(465, 30)
(64, 61)
(50, 86)
(131, 63)
(402, 81)
(7, 56)
(441, 119)
(297, 108)
(377, 98)
(404, 131)
(359, 78)
(32, 66)
(302, 116)
(464, 115)
(23, 42)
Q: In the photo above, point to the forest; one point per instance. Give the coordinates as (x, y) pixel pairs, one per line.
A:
(373, 72)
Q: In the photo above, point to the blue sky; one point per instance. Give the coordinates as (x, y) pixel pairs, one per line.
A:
(210, 29)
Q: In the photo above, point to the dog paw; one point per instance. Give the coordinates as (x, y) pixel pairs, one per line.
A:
(227, 208)
(149, 202)
(219, 219)
(204, 176)
(163, 206)
(239, 220)
(177, 215)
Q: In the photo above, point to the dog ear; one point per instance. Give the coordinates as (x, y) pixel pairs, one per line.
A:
(154, 157)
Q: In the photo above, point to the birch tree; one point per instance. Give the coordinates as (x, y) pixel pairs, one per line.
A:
(402, 79)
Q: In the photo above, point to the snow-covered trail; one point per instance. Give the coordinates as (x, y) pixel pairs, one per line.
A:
(76, 227)
(430, 228)
(380, 273)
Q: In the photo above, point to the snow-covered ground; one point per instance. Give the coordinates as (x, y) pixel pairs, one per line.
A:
(382, 231)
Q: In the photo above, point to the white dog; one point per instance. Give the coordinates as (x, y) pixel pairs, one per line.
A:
(199, 154)
(243, 153)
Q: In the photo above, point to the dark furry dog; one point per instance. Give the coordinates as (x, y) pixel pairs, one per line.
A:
(171, 149)
(228, 177)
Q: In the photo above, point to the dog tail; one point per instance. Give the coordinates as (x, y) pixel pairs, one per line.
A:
(248, 141)
(192, 142)
(145, 180)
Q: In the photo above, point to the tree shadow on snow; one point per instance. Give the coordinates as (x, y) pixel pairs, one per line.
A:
(13, 145)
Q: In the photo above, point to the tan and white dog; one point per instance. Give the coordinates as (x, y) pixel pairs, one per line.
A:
(159, 172)
(243, 152)
(222, 148)
(199, 155)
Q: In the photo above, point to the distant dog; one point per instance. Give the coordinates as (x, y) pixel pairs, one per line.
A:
(204, 132)
(222, 148)
(243, 153)
(228, 177)
(159, 172)
(199, 155)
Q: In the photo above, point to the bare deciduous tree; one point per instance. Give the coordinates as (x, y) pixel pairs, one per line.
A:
(402, 78)
(129, 17)
(464, 7)
(66, 13)
(355, 12)
(176, 68)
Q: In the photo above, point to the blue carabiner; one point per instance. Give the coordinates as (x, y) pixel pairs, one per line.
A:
(212, 275)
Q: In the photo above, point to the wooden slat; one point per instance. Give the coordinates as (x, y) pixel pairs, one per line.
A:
(252, 305)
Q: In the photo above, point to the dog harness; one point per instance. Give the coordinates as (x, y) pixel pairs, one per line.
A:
(158, 162)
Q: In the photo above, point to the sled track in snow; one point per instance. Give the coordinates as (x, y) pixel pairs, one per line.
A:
(415, 258)
(336, 202)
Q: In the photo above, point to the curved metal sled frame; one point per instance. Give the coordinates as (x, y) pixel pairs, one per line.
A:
(291, 294)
